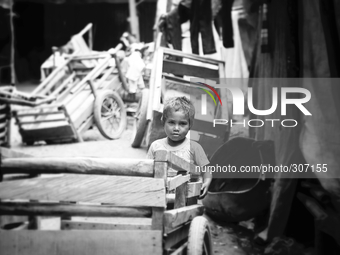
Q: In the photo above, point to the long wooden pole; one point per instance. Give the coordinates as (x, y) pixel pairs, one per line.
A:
(49, 209)
(134, 24)
(13, 76)
(123, 167)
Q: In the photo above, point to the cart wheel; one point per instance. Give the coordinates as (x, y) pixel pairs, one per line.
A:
(110, 114)
(199, 241)
(140, 121)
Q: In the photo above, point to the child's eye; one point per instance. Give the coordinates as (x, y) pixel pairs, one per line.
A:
(183, 123)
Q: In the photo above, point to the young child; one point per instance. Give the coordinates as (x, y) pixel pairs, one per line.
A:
(177, 119)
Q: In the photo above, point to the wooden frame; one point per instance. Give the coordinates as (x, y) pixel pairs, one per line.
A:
(134, 190)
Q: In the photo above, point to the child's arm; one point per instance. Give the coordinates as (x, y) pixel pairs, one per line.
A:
(207, 177)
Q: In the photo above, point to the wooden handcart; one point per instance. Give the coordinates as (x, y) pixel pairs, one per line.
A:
(84, 90)
(130, 197)
(174, 74)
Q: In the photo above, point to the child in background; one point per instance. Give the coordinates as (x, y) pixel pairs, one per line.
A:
(177, 119)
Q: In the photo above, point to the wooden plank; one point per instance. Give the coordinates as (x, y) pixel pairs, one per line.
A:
(89, 56)
(78, 136)
(55, 72)
(106, 224)
(86, 124)
(179, 68)
(176, 236)
(81, 242)
(9, 153)
(181, 249)
(42, 121)
(50, 133)
(194, 189)
(57, 209)
(177, 217)
(64, 84)
(161, 156)
(180, 164)
(176, 181)
(192, 56)
(39, 113)
(79, 165)
(180, 197)
(160, 172)
(114, 190)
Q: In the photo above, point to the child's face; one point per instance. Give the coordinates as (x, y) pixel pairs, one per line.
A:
(176, 125)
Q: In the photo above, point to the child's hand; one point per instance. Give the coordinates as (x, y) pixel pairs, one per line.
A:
(204, 188)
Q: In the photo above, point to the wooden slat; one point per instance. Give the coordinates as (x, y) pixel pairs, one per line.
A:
(177, 217)
(180, 164)
(91, 56)
(56, 209)
(42, 121)
(81, 242)
(192, 56)
(64, 84)
(8, 153)
(175, 237)
(50, 133)
(180, 197)
(176, 181)
(39, 113)
(80, 165)
(179, 68)
(114, 190)
(194, 189)
(55, 72)
(160, 170)
(106, 223)
(3, 124)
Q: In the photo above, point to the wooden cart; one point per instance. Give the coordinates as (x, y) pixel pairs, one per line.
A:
(84, 90)
(173, 74)
(131, 197)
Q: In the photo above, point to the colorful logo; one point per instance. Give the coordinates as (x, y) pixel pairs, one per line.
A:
(208, 92)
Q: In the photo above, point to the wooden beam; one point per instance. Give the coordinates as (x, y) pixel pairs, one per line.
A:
(113, 190)
(79, 165)
(81, 242)
(180, 197)
(177, 217)
(176, 181)
(9, 153)
(110, 224)
(160, 169)
(194, 189)
(179, 68)
(195, 57)
(180, 164)
(176, 236)
(56, 209)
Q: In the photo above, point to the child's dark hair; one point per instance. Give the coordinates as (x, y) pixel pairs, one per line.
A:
(179, 104)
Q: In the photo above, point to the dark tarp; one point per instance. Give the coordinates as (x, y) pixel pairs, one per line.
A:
(306, 46)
